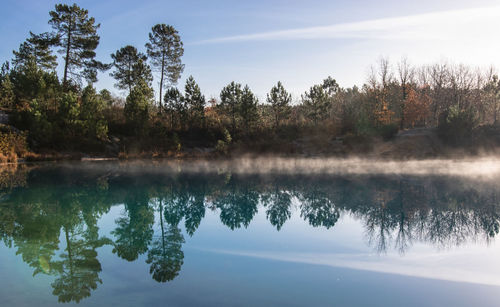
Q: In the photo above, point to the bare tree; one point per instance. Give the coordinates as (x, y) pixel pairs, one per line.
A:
(406, 75)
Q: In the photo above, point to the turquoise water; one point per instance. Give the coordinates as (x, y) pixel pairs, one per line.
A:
(143, 234)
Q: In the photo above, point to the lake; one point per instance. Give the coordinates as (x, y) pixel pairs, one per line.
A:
(238, 234)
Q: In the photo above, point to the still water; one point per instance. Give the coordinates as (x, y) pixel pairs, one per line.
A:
(145, 234)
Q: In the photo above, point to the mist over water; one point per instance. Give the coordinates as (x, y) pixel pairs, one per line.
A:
(484, 167)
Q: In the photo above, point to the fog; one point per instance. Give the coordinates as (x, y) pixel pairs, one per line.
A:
(486, 167)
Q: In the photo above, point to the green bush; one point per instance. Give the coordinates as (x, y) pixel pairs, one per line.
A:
(456, 125)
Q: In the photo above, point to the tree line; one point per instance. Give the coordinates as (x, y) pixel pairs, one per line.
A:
(69, 113)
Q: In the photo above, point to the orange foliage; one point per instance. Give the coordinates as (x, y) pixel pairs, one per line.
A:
(416, 107)
(384, 114)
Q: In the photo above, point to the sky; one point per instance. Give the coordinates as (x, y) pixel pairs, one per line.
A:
(299, 43)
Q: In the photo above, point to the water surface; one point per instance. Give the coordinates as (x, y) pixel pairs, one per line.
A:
(138, 234)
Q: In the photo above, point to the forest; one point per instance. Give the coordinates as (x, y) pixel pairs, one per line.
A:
(48, 113)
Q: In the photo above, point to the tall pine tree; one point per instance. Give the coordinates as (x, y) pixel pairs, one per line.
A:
(130, 67)
(78, 39)
(165, 50)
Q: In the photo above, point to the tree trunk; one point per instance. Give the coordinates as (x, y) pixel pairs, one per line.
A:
(401, 124)
(161, 78)
(66, 62)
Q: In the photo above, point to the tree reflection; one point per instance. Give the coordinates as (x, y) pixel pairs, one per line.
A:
(278, 206)
(78, 270)
(237, 205)
(44, 206)
(134, 231)
(165, 254)
(318, 209)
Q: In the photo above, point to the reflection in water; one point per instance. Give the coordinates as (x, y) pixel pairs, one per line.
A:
(49, 214)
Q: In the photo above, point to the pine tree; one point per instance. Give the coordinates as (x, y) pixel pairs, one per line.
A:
(6, 93)
(280, 101)
(316, 103)
(137, 107)
(78, 39)
(319, 99)
(37, 48)
(92, 107)
(165, 50)
(248, 108)
(175, 106)
(195, 102)
(130, 66)
(230, 100)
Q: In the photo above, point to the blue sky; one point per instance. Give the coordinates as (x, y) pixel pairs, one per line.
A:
(298, 42)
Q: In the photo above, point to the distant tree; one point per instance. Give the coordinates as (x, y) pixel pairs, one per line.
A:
(331, 86)
(165, 50)
(248, 108)
(194, 101)
(492, 96)
(137, 107)
(130, 66)
(92, 107)
(406, 73)
(37, 48)
(106, 97)
(280, 101)
(6, 92)
(319, 99)
(175, 106)
(230, 100)
(316, 103)
(78, 39)
(416, 107)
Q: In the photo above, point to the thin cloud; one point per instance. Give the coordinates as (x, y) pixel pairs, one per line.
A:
(447, 25)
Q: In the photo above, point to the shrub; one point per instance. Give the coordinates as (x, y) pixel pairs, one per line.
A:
(388, 131)
(456, 125)
(222, 145)
(13, 145)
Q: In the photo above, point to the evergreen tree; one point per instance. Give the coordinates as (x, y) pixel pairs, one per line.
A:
(78, 39)
(6, 93)
(137, 107)
(165, 50)
(175, 106)
(106, 97)
(37, 48)
(248, 108)
(280, 101)
(230, 100)
(319, 99)
(195, 101)
(31, 82)
(130, 66)
(92, 107)
(316, 103)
